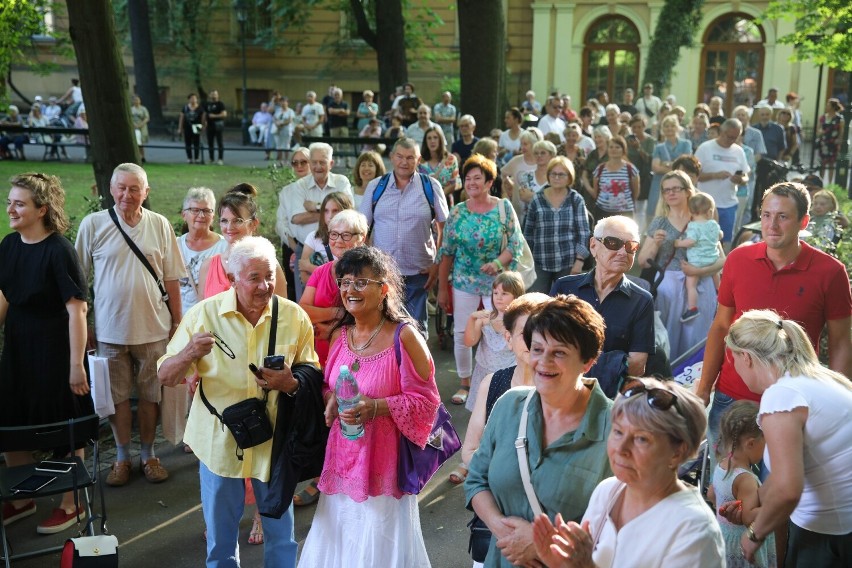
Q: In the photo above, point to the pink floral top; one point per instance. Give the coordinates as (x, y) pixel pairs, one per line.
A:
(366, 467)
(446, 171)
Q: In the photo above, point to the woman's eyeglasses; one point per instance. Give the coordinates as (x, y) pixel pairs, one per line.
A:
(616, 244)
(676, 189)
(659, 399)
(345, 237)
(236, 223)
(196, 211)
(298, 163)
(558, 175)
(359, 283)
(220, 343)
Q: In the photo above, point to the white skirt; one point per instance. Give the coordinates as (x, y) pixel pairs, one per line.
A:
(381, 531)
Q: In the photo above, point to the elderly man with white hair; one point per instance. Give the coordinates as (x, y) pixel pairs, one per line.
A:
(137, 267)
(627, 309)
(445, 114)
(260, 123)
(306, 195)
(220, 338)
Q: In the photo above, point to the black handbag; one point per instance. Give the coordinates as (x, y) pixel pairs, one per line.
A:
(480, 539)
(248, 420)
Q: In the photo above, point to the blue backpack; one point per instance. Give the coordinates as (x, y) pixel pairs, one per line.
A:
(428, 191)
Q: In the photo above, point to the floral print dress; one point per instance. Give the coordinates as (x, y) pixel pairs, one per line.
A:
(476, 238)
(829, 138)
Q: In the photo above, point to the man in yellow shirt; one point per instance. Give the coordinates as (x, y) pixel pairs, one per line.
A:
(219, 338)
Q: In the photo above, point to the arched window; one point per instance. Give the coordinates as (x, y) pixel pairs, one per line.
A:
(732, 61)
(611, 57)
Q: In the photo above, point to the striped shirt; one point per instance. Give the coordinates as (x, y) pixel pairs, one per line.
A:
(614, 194)
(557, 237)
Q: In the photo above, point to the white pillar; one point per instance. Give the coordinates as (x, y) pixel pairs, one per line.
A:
(541, 67)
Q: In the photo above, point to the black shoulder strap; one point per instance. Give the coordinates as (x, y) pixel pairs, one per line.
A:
(139, 255)
(273, 332)
(328, 253)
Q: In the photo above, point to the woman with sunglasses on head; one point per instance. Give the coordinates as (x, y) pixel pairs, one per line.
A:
(804, 414)
(643, 516)
(567, 420)
(557, 227)
(363, 519)
(668, 226)
(237, 219)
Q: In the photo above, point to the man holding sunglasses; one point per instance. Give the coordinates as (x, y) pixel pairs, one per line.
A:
(627, 309)
(225, 339)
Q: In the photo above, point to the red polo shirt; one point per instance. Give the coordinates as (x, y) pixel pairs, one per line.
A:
(810, 291)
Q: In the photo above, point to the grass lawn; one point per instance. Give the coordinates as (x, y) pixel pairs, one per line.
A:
(169, 184)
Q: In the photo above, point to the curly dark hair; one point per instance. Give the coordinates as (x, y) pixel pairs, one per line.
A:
(358, 259)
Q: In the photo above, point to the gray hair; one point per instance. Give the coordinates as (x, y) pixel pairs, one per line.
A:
(248, 249)
(351, 219)
(732, 123)
(406, 143)
(130, 168)
(467, 118)
(321, 147)
(530, 136)
(311, 94)
(683, 424)
(612, 106)
(204, 194)
(545, 145)
(617, 222)
(602, 131)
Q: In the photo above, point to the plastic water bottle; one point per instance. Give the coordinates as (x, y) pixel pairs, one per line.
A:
(348, 396)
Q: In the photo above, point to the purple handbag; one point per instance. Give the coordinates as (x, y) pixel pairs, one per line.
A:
(415, 467)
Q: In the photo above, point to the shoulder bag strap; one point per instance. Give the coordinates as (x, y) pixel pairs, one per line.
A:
(397, 348)
(674, 249)
(523, 461)
(139, 255)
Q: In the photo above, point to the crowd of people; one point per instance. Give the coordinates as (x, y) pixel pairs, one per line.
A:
(527, 237)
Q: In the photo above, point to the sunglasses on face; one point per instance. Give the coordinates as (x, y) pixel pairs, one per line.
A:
(360, 284)
(616, 244)
(658, 399)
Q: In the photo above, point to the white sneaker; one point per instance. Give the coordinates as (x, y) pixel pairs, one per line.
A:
(220, 162)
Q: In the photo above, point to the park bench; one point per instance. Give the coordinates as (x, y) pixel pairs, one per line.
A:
(51, 138)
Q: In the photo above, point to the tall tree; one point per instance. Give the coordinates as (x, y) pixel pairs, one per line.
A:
(677, 26)
(144, 69)
(823, 30)
(388, 40)
(20, 21)
(103, 78)
(482, 48)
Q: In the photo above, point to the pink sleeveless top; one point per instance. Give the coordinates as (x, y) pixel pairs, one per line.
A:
(217, 281)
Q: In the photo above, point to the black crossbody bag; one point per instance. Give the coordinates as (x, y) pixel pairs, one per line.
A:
(140, 256)
(248, 420)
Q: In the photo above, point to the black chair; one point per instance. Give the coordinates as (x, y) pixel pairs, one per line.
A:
(57, 437)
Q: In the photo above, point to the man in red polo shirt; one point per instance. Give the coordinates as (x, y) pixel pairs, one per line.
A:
(781, 273)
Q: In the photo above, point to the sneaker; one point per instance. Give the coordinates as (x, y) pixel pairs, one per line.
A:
(154, 472)
(689, 314)
(220, 162)
(119, 474)
(11, 514)
(431, 309)
(59, 520)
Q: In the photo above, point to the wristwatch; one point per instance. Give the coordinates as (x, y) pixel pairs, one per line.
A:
(751, 536)
(295, 392)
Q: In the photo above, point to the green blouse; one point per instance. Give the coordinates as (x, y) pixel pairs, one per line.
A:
(563, 474)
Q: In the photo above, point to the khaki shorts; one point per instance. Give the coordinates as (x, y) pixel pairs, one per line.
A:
(131, 365)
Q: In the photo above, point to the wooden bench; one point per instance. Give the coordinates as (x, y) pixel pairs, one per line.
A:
(51, 138)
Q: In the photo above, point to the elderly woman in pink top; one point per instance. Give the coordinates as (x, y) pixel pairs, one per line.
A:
(363, 519)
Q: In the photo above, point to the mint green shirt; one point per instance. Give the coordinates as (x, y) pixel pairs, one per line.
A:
(563, 474)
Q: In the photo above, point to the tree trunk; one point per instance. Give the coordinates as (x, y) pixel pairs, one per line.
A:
(143, 60)
(103, 78)
(482, 59)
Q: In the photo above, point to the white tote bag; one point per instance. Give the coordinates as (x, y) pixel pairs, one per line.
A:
(99, 381)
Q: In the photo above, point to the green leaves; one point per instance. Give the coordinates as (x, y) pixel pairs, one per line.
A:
(823, 30)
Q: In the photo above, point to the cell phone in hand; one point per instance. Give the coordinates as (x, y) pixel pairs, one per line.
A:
(274, 362)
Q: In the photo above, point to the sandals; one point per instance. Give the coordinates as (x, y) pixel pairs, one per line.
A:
(461, 395)
(256, 534)
(305, 497)
(458, 475)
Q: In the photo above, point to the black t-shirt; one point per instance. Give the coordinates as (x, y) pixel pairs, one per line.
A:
(336, 120)
(214, 108)
(628, 108)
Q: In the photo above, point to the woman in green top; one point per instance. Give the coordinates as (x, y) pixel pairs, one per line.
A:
(567, 427)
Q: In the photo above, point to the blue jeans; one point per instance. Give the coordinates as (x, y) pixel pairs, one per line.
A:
(223, 501)
(297, 278)
(727, 218)
(415, 300)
